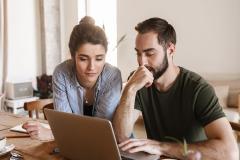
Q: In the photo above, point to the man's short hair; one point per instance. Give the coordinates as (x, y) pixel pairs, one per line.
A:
(166, 32)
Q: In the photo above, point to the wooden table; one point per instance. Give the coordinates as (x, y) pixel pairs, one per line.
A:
(31, 149)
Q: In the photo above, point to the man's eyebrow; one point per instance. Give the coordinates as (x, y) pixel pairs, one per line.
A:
(145, 50)
(148, 49)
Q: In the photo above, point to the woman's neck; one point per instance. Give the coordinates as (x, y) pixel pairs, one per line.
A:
(89, 95)
(84, 84)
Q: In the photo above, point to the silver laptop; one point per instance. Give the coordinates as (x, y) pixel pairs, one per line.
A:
(83, 137)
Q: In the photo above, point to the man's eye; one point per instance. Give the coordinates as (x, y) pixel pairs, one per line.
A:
(99, 59)
(138, 54)
(149, 54)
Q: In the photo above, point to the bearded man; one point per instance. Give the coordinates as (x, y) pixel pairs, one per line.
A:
(174, 102)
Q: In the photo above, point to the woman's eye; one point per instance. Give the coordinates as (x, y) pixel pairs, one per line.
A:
(82, 59)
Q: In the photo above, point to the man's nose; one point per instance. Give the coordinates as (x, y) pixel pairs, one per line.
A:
(142, 60)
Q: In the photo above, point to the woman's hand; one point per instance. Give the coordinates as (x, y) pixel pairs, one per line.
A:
(37, 131)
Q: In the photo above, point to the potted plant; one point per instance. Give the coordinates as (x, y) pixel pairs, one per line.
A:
(187, 154)
(44, 86)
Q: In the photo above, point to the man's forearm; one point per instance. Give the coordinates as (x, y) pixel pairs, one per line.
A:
(216, 149)
(123, 120)
(210, 150)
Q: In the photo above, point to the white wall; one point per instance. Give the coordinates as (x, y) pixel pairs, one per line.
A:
(69, 18)
(24, 38)
(1, 45)
(24, 59)
(208, 33)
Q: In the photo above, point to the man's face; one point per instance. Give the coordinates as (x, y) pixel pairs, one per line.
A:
(151, 54)
(89, 61)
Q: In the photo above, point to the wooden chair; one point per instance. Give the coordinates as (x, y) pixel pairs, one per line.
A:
(236, 128)
(37, 105)
(48, 106)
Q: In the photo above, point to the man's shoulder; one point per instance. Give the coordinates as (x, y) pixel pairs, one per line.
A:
(190, 77)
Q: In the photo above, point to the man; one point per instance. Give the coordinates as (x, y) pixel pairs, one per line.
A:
(174, 102)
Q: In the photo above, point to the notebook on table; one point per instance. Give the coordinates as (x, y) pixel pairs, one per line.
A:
(83, 137)
(19, 128)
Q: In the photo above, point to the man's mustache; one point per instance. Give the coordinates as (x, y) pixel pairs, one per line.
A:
(152, 70)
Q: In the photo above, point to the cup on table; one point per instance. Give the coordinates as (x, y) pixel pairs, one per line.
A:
(3, 141)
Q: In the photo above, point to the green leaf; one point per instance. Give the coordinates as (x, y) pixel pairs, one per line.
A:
(174, 139)
(185, 150)
(184, 144)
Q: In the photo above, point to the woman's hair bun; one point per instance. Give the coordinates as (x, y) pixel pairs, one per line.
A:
(87, 20)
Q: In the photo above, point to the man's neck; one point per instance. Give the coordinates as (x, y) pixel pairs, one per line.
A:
(164, 82)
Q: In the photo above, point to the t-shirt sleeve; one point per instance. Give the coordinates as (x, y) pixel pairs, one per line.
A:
(207, 107)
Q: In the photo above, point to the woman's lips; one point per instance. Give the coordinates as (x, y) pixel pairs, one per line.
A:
(91, 74)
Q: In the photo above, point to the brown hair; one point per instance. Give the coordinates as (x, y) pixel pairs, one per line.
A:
(165, 31)
(86, 32)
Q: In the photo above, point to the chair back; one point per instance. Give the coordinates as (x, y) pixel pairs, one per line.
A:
(36, 106)
(48, 106)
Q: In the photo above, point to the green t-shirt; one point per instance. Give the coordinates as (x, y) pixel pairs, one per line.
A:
(182, 111)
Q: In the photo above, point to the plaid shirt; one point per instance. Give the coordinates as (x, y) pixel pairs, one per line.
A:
(68, 94)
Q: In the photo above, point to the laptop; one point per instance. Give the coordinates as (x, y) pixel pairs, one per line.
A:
(91, 138)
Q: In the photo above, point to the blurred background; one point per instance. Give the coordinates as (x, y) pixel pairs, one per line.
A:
(34, 36)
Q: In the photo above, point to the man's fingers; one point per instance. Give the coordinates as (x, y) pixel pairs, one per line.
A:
(128, 141)
(124, 143)
(138, 149)
(148, 85)
(132, 144)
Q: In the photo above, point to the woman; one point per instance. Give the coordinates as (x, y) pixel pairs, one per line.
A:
(84, 85)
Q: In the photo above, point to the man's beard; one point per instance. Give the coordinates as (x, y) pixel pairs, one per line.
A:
(161, 69)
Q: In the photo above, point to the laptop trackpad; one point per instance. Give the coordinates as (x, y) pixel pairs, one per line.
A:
(138, 156)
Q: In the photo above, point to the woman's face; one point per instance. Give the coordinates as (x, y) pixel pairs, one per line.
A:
(89, 59)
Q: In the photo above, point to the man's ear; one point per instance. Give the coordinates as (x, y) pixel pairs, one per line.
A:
(171, 48)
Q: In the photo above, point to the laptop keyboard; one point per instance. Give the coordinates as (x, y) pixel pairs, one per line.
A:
(125, 158)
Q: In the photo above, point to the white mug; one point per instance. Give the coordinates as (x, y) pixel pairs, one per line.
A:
(3, 141)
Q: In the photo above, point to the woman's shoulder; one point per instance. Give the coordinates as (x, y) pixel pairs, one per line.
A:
(64, 68)
(110, 71)
(110, 76)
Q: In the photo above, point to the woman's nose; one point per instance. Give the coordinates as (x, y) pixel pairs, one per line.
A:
(91, 65)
